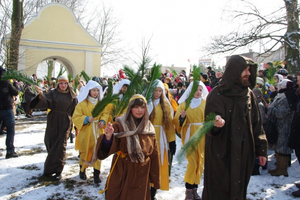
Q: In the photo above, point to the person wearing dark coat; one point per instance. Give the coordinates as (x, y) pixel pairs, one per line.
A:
(237, 137)
(7, 92)
(28, 95)
(61, 101)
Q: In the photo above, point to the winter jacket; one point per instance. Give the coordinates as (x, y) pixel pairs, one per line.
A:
(7, 91)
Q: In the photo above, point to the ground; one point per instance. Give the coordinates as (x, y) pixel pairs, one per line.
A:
(21, 178)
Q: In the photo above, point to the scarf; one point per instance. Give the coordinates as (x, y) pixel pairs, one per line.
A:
(195, 102)
(93, 100)
(134, 149)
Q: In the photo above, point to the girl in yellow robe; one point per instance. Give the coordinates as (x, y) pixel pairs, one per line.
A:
(187, 122)
(89, 128)
(161, 117)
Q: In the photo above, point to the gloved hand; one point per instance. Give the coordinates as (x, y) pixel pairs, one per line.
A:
(172, 146)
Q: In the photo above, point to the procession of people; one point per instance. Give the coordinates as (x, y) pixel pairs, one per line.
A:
(141, 135)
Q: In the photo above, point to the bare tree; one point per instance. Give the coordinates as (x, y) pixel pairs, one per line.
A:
(266, 29)
(103, 26)
(16, 31)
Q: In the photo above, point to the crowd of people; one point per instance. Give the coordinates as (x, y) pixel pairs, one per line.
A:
(142, 136)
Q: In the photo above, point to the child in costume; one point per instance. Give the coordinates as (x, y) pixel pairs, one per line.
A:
(89, 128)
(61, 101)
(135, 164)
(187, 122)
(161, 115)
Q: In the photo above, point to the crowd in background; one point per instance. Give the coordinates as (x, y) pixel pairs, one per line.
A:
(277, 93)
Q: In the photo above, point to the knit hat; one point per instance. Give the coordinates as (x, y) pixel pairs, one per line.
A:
(260, 81)
(62, 78)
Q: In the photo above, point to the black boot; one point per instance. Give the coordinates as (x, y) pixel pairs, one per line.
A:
(82, 175)
(96, 176)
(71, 137)
(153, 193)
(57, 176)
(256, 170)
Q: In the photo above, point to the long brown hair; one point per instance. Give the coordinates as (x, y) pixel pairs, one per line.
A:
(166, 111)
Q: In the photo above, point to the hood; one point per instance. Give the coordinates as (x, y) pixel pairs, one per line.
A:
(233, 70)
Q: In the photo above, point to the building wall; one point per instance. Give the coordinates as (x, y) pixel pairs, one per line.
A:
(56, 34)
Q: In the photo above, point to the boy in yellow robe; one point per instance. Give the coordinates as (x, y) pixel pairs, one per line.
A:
(187, 122)
(89, 128)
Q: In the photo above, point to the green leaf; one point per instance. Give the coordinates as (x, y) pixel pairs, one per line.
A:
(196, 76)
(14, 74)
(151, 86)
(193, 142)
(85, 76)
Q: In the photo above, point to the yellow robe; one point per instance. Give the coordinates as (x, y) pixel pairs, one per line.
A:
(195, 164)
(86, 136)
(170, 136)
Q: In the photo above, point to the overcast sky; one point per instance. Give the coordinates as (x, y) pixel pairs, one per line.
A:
(179, 29)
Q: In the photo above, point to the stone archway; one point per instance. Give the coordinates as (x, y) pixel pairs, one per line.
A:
(56, 33)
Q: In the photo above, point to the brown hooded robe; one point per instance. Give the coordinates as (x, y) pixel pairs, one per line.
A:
(230, 151)
(59, 126)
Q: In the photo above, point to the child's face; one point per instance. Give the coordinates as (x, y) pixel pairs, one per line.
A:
(138, 111)
(63, 85)
(157, 93)
(94, 92)
(198, 93)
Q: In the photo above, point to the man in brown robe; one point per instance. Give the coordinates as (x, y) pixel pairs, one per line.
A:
(61, 101)
(237, 136)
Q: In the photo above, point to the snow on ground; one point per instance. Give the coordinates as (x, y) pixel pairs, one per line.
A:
(20, 177)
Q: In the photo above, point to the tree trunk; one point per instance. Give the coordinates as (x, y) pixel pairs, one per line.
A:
(16, 31)
(50, 68)
(292, 37)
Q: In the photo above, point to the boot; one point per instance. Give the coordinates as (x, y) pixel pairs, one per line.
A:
(195, 194)
(189, 194)
(282, 165)
(277, 165)
(96, 176)
(296, 193)
(71, 137)
(153, 193)
(82, 175)
(255, 170)
(290, 160)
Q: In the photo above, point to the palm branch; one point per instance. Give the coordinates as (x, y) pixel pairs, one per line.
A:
(153, 78)
(14, 74)
(129, 72)
(174, 73)
(196, 76)
(108, 99)
(76, 83)
(193, 142)
(61, 71)
(85, 76)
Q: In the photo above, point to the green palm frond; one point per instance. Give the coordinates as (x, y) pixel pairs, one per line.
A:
(85, 76)
(100, 106)
(108, 99)
(196, 76)
(174, 73)
(76, 83)
(61, 71)
(193, 142)
(70, 77)
(129, 72)
(14, 74)
(153, 78)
